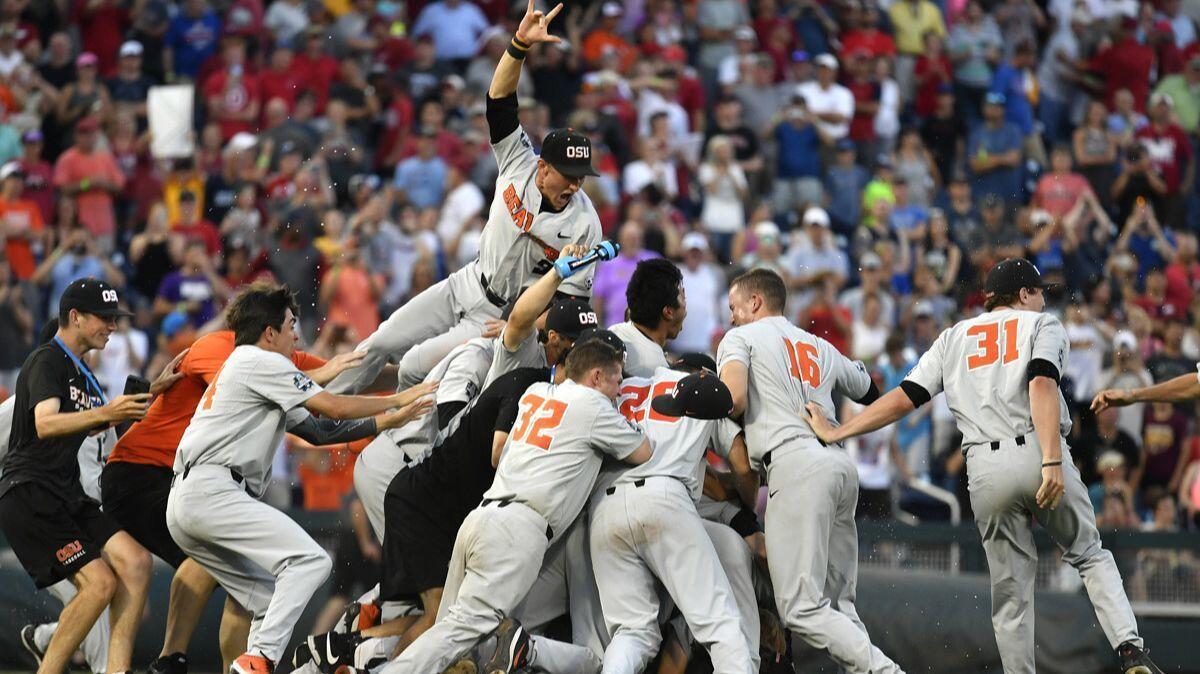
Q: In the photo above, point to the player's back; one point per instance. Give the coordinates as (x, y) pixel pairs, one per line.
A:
(787, 368)
(679, 442)
(552, 459)
(982, 364)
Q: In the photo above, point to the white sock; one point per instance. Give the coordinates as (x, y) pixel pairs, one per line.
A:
(42, 635)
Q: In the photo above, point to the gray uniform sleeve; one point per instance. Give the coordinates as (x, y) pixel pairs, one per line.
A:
(277, 380)
(850, 376)
(463, 377)
(734, 348)
(1050, 342)
(615, 435)
(504, 361)
(928, 372)
(724, 432)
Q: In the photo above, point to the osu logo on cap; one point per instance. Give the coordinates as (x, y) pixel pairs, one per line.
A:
(579, 152)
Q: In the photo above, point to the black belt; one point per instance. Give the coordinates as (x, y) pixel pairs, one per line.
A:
(237, 477)
(766, 460)
(492, 297)
(613, 489)
(504, 503)
(1020, 440)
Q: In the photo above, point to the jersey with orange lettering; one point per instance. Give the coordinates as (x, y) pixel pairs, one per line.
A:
(992, 403)
(787, 368)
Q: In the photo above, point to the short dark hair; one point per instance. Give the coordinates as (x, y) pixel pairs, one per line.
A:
(590, 354)
(766, 284)
(261, 306)
(653, 287)
(1001, 300)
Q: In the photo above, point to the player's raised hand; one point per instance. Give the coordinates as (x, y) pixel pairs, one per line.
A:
(815, 416)
(492, 328)
(1111, 398)
(1050, 493)
(413, 410)
(535, 25)
(127, 408)
(167, 378)
(412, 393)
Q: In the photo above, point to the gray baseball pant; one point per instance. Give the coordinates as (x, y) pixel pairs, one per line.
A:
(643, 535)
(1003, 485)
(421, 333)
(262, 558)
(812, 552)
(95, 644)
(497, 557)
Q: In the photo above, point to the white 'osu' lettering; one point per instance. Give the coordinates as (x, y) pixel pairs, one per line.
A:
(108, 295)
(578, 152)
(586, 317)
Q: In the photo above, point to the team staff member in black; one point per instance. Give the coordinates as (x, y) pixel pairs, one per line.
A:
(55, 530)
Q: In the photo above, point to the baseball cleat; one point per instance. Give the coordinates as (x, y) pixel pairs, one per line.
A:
(300, 657)
(175, 663)
(329, 651)
(30, 644)
(514, 649)
(251, 664)
(1135, 660)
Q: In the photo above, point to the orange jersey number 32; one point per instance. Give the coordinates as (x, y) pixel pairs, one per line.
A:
(545, 415)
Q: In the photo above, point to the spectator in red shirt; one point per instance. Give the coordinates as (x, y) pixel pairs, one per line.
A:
(1126, 64)
(233, 94)
(1058, 190)
(862, 33)
(824, 317)
(1170, 152)
(102, 25)
(194, 228)
(449, 145)
(282, 79)
(932, 72)
(867, 94)
(91, 176)
(318, 69)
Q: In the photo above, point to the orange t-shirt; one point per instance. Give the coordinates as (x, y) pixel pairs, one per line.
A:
(20, 216)
(153, 440)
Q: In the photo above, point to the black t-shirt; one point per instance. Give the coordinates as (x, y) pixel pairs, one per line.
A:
(48, 373)
(452, 479)
(1165, 368)
(1092, 445)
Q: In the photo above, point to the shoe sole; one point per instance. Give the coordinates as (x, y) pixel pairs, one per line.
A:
(513, 651)
(27, 642)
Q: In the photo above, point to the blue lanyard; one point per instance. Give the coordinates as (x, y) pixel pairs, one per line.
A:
(80, 367)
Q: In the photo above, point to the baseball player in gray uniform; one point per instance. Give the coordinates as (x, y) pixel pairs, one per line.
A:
(657, 308)
(548, 465)
(645, 530)
(262, 558)
(1000, 373)
(537, 209)
(772, 369)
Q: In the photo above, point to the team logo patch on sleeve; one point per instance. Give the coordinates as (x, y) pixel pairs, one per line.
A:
(302, 382)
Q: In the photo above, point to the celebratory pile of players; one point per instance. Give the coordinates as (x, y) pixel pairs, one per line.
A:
(555, 468)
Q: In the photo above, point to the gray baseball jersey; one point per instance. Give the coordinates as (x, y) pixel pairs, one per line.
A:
(553, 454)
(982, 364)
(788, 367)
(679, 442)
(521, 241)
(529, 353)
(240, 421)
(642, 355)
(93, 451)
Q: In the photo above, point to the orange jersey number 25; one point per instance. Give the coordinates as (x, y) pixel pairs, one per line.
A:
(545, 416)
(987, 344)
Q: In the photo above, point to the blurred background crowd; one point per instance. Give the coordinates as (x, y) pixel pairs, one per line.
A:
(879, 155)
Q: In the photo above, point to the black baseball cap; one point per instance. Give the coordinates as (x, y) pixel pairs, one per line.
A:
(700, 396)
(92, 296)
(600, 334)
(695, 362)
(570, 317)
(569, 152)
(1013, 274)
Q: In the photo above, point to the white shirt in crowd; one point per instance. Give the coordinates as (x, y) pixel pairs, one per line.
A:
(640, 173)
(871, 452)
(834, 99)
(1085, 359)
(723, 210)
(462, 204)
(705, 289)
(115, 363)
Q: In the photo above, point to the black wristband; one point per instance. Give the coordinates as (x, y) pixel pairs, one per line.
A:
(516, 53)
(521, 44)
(1051, 463)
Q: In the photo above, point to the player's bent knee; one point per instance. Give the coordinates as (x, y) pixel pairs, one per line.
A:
(96, 581)
(131, 562)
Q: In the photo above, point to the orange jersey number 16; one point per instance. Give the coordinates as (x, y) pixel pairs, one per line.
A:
(803, 359)
(545, 414)
(988, 343)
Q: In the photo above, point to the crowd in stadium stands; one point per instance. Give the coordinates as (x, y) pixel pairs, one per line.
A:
(881, 156)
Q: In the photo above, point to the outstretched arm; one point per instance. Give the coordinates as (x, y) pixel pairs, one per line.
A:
(534, 28)
(532, 302)
(1181, 388)
(893, 406)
